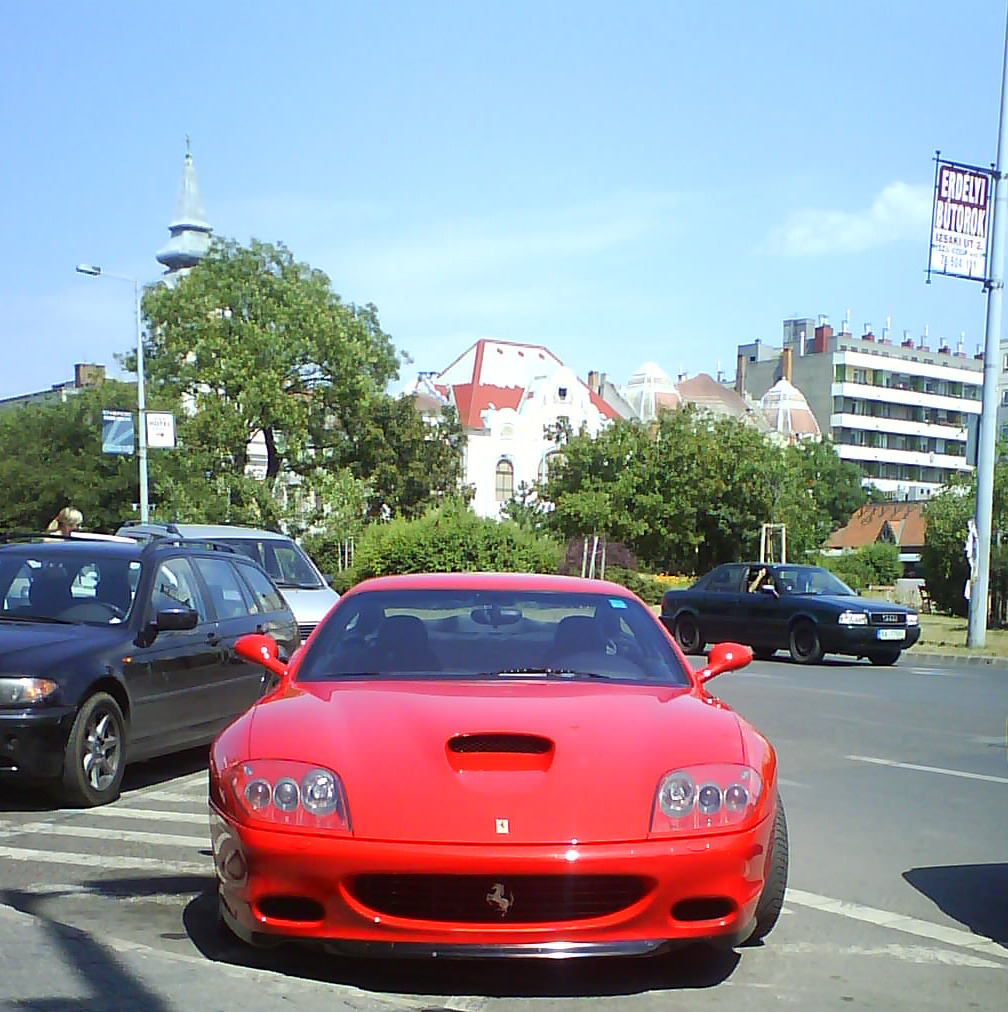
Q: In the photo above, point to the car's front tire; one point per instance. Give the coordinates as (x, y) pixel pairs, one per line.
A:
(95, 757)
(771, 900)
(804, 643)
(687, 634)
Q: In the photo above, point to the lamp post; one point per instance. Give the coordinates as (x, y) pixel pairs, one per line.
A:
(93, 271)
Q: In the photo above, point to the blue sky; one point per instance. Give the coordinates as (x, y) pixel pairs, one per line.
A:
(620, 182)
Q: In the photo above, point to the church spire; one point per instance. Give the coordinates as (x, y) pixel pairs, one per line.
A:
(190, 232)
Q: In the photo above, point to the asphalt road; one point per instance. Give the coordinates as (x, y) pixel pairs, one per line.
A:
(896, 787)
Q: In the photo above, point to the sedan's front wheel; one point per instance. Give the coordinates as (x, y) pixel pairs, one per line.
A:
(687, 634)
(804, 643)
(95, 757)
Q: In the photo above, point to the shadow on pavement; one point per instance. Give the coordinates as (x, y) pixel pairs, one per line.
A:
(108, 983)
(39, 797)
(153, 772)
(693, 967)
(973, 894)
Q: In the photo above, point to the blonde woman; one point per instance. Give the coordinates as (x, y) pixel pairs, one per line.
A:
(66, 522)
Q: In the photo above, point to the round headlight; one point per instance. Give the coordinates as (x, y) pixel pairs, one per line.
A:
(709, 799)
(318, 793)
(286, 795)
(678, 793)
(258, 794)
(736, 797)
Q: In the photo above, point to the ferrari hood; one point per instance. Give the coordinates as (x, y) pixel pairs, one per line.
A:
(496, 762)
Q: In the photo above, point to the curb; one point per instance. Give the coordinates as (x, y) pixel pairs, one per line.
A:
(933, 658)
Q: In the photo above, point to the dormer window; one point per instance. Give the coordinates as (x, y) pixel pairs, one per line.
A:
(562, 393)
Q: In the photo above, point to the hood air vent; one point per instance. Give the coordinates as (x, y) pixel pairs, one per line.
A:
(499, 751)
(520, 744)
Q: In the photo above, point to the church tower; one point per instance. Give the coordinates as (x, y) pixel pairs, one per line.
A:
(190, 232)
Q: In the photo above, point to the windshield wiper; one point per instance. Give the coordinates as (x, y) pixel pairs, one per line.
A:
(288, 585)
(47, 619)
(547, 673)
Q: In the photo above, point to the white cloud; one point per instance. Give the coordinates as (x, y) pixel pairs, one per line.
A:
(900, 211)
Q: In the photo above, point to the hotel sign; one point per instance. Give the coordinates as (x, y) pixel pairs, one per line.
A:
(960, 221)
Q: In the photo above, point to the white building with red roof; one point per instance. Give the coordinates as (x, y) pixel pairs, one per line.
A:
(507, 395)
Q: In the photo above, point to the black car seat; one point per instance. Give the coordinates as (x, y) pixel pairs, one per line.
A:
(402, 645)
(50, 593)
(575, 634)
(114, 588)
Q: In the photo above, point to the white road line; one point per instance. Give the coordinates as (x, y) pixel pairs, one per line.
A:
(906, 953)
(897, 922)
(107, 833)
(168, 795)
(102, 864)
(153, 814)
(928, 769)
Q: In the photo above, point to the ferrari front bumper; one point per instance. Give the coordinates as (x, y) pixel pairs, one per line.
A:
(277, 886)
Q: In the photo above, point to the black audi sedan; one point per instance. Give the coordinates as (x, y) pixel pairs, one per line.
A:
(805, 610)
(114, 651)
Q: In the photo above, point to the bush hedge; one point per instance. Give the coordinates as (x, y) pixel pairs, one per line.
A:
(450, 539)
(875, 565)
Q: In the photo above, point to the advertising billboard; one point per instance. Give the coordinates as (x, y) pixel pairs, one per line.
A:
(960, 221)
(117, 432)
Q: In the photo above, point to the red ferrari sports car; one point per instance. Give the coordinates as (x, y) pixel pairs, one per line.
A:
(489, 764)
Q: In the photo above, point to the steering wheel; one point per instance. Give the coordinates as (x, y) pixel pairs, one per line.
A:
(93, 611)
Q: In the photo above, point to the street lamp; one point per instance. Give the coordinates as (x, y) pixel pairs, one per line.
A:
(93, 271)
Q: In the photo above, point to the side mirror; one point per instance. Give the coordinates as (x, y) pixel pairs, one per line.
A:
(262, 650)
(724, 657)
(177, 618)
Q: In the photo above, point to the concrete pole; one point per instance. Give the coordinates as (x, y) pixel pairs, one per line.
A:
(977, 633)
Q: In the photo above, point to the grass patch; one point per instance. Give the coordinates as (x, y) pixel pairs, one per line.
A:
(947, 634)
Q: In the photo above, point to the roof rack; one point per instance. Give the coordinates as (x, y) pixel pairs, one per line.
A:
(170, 528)
(168, 539)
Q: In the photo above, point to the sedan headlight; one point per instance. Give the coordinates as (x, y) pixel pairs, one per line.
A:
(853, 618)
(715, 796)
(912, 618)
(288, 795)
(17, 691)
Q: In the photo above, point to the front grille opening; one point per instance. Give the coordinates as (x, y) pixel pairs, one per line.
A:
(291, 908)
(514, 744)
(706, 908)
(510, 899)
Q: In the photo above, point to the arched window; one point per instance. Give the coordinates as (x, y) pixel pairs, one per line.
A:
(547, 463)
(504, 484)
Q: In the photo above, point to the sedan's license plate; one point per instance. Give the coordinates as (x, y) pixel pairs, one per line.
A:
(892, 634)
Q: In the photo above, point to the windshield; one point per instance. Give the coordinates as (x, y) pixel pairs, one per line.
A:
(450, 634)
(286, 563)
(812, 580)
(55, 584)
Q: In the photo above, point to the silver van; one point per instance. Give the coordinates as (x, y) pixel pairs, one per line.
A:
(298, 578)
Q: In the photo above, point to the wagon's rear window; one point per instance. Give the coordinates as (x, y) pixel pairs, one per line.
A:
(491, 634)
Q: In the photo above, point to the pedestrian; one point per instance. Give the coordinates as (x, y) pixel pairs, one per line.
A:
(66, 522)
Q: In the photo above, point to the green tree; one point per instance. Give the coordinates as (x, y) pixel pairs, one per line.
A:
(252, 341)
(52, 457)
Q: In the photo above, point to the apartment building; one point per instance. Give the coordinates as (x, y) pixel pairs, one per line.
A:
(902, 412)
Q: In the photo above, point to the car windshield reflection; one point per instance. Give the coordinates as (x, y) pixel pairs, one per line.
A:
(444, 634)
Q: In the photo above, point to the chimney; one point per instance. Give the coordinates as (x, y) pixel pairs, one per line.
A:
(961, 350)
(593, 381)
(786, 364)
(868, 335)
(907, 339)
(87, 374)
(740, 375)
(923, 345)
(822, 335)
